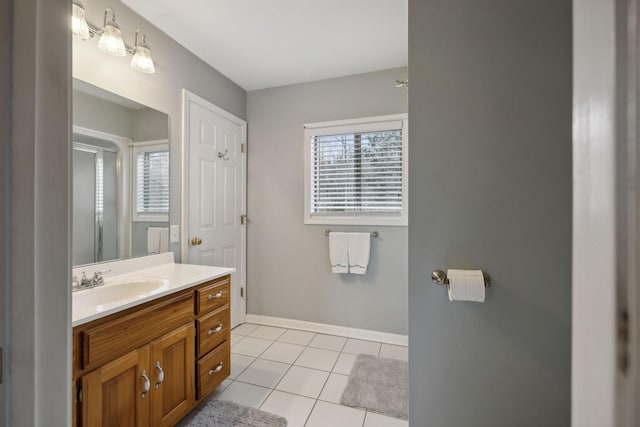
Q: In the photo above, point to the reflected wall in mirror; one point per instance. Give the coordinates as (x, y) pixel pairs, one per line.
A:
(120, 177)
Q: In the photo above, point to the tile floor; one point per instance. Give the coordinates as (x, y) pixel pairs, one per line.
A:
(300, 375)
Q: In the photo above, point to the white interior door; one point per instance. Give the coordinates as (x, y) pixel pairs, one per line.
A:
(215, 228)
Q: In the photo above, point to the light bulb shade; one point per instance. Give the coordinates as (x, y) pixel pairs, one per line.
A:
(79, 25)
(142, 60)
(111, 41)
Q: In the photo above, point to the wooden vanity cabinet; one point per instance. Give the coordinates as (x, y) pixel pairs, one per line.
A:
(172, 378)
(113, 395)
(176, 359)
(213, 349)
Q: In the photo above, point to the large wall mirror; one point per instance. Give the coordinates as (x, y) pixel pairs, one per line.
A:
(120, 177)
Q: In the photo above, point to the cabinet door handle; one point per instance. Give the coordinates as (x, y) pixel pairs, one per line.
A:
(216, 330)
(160, 374)
(216, 369)
(147, 384)
(216, 295)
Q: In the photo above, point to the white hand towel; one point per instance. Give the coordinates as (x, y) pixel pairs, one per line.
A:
(153, 240)
(157, 240)
(359, 247)
(164, 240)
(338, 254)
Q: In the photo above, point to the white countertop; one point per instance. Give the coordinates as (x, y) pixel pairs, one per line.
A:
(158, 274)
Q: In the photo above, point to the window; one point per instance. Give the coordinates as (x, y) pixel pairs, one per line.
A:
(356, 172)
(151, 182)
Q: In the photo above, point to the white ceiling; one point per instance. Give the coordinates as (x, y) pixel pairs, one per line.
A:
(267, 43)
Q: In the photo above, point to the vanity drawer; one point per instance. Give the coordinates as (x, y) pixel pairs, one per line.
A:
(213, 369)
(106, 342)
(213, 296)
(213, 328)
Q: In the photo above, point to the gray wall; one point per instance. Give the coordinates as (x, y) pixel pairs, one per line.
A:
(176, 68)
(149, 125)
(490, 93)
(94, 113)
(5, 164)
(97, 114)
(288, 262)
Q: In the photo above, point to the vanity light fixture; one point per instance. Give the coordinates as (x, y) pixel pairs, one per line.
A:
(79, 24)
(142, 60)
(111, 38)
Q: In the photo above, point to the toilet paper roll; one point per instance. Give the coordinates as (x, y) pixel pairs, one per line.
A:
(466, 285)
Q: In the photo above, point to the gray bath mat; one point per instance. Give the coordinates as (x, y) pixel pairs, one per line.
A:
(218, 413)
(379, 385)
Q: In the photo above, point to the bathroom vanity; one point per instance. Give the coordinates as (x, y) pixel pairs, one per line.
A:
(150, 343)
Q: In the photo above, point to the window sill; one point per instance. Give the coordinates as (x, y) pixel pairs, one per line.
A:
(151, 218)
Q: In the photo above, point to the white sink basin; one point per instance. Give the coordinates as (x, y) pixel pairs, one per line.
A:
(112, 294)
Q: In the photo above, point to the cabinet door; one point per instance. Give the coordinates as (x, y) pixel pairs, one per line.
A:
(172, 380)
(114, 395)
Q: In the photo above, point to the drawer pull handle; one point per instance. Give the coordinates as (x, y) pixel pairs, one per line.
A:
(160, 375)
(216, 295)
(217, 369)
(147, 384)
(216, 330)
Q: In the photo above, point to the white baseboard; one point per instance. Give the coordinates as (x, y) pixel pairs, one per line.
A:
(343, 331)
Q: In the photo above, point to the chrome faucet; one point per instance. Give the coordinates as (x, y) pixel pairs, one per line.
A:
(86, 283)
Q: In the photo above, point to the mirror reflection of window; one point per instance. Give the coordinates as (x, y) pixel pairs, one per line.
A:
(151, 197)
(152, 182)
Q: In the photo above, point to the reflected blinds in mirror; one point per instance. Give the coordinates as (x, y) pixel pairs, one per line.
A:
(152, 181)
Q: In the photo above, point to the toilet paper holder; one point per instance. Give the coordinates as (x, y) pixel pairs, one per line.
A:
(440, 277)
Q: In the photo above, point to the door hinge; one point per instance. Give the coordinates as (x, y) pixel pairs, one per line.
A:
(79, 393)
(242, 148)
(241, 292)
(243, 218)
(623, 342)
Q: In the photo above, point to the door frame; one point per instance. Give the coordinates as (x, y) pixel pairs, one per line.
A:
(628, 218)
(606, 226)
(37, 188)
(187, 98)
(628, 167)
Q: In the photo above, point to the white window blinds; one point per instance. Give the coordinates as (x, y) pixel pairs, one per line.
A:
(99, 183)
(152, 182)
(356, 171)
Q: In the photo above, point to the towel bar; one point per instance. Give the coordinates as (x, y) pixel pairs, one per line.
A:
(373, 233)
(440, 277)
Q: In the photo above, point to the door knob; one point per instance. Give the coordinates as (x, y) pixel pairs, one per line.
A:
(196, 241)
